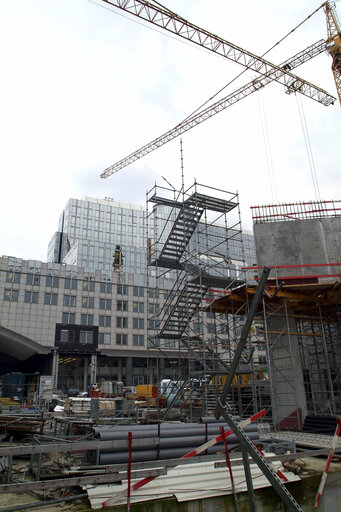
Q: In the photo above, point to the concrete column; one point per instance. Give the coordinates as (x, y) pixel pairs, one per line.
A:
(85, 375)
(129, 371)
(93, 371)
(55, 368)
(290, 408)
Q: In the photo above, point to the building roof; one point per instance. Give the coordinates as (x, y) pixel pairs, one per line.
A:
(18, 346)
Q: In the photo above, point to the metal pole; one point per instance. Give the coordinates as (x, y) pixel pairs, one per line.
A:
(330, 381)
(228, 462)
(130, 437)
(298, 416)
(243, 338)
(326, 469)
(271, 378)
(248, 476)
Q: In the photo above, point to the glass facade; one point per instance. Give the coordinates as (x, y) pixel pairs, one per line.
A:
(93, 229)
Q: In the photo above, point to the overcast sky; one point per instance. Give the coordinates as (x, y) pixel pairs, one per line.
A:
(83, 86)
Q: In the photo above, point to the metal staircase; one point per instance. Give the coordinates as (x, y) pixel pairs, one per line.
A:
(180, 307)
(210, 360)
(179, 236)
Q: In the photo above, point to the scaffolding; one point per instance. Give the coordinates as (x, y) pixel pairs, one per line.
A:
(290, 365)
(195, 248)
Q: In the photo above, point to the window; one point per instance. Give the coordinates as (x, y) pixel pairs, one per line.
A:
(153, 309)
(87, 319)
(104, 321)
(138, 307)
(68, 318)
(88, 286)
(138, 340)
(11, 295)
(211, 328)
(64, 335)
(122, 305)
(86, 337)
(52, 281)
(122, 321)
(70, 283)
(104, 303)
(88, 302)
(138, 291)
(121, 339)
(105, 287)
(51, 299)
(198, 328)
(223, 329)
(122, 289)
(104, 338)
(153, 293)
(31, 297)
(209, 314)
(70, 300)
(138, 323)
(169, 343)
(13, 277)
(33, 279)
(153, 342)
(153, 324)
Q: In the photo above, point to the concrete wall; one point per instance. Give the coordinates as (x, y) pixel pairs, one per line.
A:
(299, 243)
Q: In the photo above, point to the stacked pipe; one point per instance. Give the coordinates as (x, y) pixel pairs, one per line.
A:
(320, 424)
(174, 440)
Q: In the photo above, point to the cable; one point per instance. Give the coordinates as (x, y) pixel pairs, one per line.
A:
(267, 147)
(149, 27)
(308, 147)
(246, 69)
(189, 44)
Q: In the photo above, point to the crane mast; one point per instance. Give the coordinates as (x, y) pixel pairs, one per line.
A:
(334, 43)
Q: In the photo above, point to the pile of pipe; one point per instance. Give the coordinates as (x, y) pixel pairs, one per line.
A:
(174, 440)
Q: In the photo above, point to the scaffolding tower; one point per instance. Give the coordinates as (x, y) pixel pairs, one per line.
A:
(195, 247)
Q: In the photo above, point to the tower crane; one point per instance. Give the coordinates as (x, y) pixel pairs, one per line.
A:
(158, 15)
(334, 43)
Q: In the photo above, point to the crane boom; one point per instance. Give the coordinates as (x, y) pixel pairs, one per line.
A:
(168, 20)
(334, 43)
(222, 104)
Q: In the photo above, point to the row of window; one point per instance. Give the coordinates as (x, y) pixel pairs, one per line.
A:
(71, 284)
(87, 338)
(71, 301)
(103, 320)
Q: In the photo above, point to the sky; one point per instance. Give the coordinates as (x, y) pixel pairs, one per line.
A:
(84, 85)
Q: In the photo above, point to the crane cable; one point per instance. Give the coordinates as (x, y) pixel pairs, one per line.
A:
(267, 146)
(308, 147)
(246, 69)
(198, 48)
